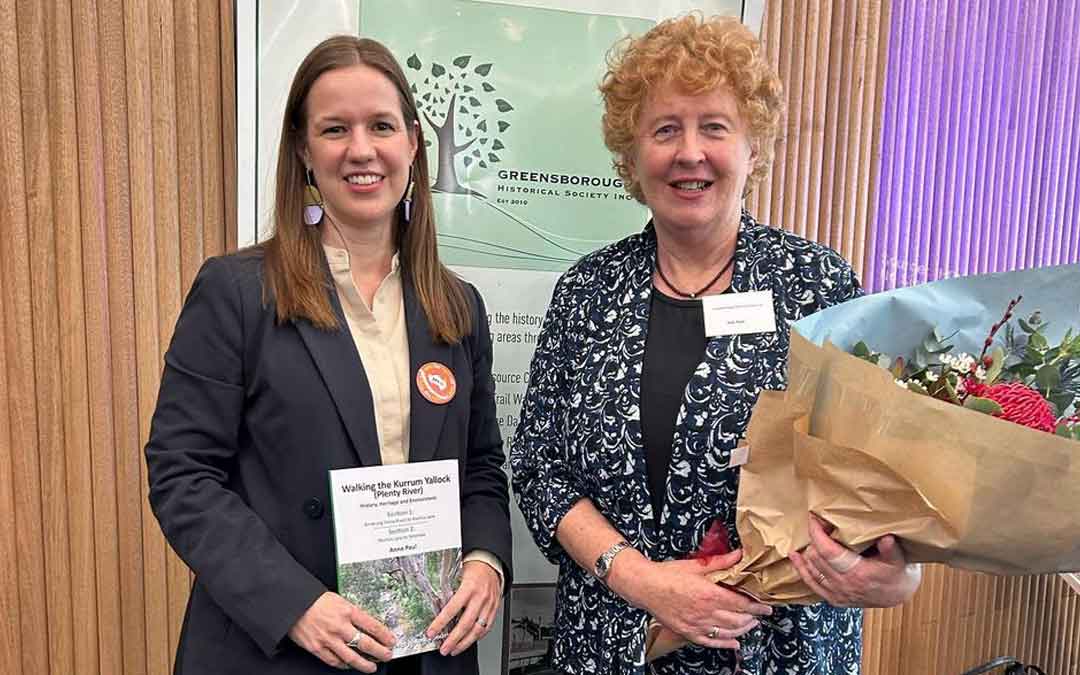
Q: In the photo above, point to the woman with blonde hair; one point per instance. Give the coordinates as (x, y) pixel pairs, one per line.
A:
(341, 341)
(623, 457)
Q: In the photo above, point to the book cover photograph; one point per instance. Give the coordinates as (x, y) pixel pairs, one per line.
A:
(397, 533)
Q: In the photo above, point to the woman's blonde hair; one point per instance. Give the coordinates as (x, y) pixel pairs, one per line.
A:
(294, 258)
(696, 55)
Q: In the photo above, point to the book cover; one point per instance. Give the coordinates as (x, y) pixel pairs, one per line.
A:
(397, 535)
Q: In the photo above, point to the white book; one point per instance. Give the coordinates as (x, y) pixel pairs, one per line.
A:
(397, 535)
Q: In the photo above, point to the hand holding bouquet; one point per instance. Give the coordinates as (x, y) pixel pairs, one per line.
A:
(994, 493)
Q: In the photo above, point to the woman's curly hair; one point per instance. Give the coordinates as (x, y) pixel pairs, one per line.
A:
(696, 55)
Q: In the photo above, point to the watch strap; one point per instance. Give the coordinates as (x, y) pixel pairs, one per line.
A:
(602, 566)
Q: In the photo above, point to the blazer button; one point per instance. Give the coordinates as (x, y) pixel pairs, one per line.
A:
(313, 508)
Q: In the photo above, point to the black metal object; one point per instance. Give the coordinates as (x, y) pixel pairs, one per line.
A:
(1011, 665)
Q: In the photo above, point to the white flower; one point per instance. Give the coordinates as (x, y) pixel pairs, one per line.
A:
(931, 376)
(980, 373)
(901, 384)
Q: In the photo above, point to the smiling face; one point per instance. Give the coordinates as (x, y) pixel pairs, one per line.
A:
(358, 145)
(692, 158)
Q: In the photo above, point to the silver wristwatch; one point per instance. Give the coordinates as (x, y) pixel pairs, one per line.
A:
(602, 566)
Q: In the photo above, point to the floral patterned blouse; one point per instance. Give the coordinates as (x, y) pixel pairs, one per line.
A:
(580, 436)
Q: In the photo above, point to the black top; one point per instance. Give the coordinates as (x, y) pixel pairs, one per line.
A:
(674, 348)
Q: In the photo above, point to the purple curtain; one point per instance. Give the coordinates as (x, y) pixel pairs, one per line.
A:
(980, 156)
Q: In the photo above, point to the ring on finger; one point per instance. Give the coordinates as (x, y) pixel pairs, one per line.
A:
(482, 622)
(714, 633)
(355, 641)
(821, 578)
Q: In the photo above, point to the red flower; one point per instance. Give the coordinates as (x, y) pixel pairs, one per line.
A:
(717, 541)
(1019, 403)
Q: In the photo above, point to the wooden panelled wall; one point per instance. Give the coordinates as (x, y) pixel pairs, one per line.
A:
(117, 148)
(831, 56)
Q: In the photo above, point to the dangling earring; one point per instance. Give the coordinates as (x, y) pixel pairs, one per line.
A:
(313, 201)
(408, 198)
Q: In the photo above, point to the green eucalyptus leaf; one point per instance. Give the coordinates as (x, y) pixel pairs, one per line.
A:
(1063, 430)
(935, 344)
(1062, 400)
(1048, 377)
(1022, 370)
(1038, 341)
(1025, 326)
(983, 405)
(861, 350)
(997, 356)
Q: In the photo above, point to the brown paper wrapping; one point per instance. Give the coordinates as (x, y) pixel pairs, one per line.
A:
(846, 443)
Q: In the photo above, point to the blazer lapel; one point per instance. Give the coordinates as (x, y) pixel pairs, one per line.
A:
(338, 361)
(426, 418)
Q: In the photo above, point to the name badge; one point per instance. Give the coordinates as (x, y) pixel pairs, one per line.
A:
(739, 313)
(739, 456)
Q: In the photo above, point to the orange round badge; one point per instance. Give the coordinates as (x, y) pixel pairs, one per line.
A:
(436, 382)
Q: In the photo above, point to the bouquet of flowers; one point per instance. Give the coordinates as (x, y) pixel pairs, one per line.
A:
(1026, 380)
(877, 445)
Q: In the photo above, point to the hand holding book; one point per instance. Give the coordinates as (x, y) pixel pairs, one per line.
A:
(473, 606)
(397, 534)
(328, 626)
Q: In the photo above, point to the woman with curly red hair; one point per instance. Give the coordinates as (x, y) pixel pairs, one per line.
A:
(623, 456)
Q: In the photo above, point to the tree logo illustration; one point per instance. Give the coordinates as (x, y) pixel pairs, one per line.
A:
(459, 102)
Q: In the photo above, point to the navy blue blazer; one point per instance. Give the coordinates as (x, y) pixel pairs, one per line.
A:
(250, 416)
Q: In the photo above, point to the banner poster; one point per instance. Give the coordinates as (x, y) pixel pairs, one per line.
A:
(522, 183)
